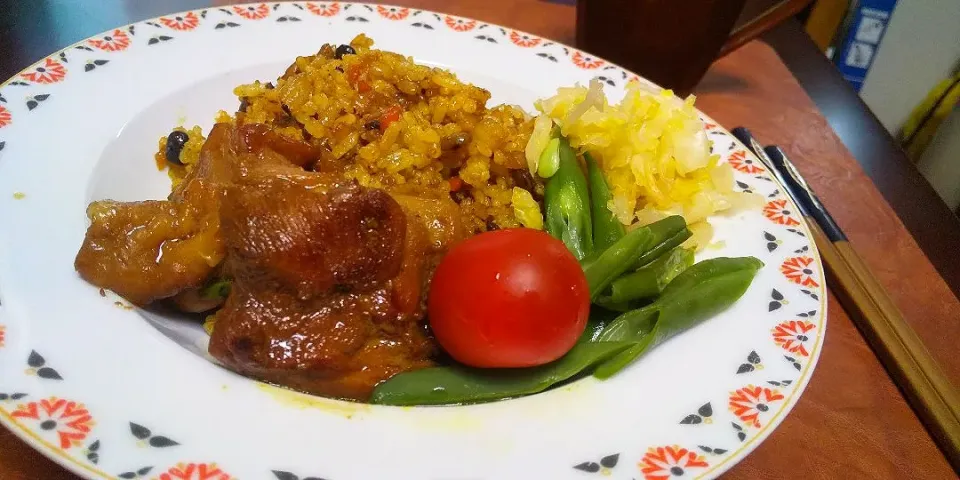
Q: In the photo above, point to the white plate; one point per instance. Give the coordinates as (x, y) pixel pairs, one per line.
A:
(111, 392)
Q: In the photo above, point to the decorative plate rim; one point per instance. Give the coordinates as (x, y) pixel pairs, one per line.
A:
(58, 455)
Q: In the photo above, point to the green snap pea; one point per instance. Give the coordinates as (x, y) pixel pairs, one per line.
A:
(459, 385)
(607, 229)
(650, 280)
(698, 293)
(567, 202)
(668, 233)
(612, 262)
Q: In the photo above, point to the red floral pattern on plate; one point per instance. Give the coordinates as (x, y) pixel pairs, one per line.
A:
(51, 71)
(195, 471)
(586, 62)
(252, 12)
(460, 24)
(743, 163)
(393, 13)
(777, 211)
(185, 22)
(5, 117)
(3, 329)
(661, 463)
(324, 9)
(524, 40)
(749, 402)
(114, 41)
(792, 336)
(70, 420)
(797, 270)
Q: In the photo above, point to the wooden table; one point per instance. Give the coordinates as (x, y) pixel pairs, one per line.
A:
(851, 422)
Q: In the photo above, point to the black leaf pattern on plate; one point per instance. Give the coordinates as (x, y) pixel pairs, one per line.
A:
(11, 396)
(131, 29)
(282, 475)
(484, 37)
(297, 6)
(139, 473)
(34, 101)
(774, 193)
(605, 464)
(741, 435)
(808, 314)
(368, 7)
(798, 232)
(63, 57)
(153, 24)
(772, 242)
(228, 12)
(93, 452)
(226, 25)
(288, 18)
(742, 186)
(781, 383)
(158, 39)
(703, 415)
(607, 81)
(38, 366)
(422, 25)
(590, 467)
(810, 294)
(203, 13)
(803, 249)
(752, 363)
(437, 17)
(18, 83)
(714, 451)
(94, 64)
(146, 436)
(2, 100)
(82, 47)
(792, 361)
(3, 144)
(356, 19)
(547, 56)
(776, 300)
(276, 6)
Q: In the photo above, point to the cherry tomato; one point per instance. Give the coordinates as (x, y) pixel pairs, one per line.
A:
(508, 298)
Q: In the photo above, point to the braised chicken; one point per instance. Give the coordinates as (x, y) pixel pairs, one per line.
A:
(328, 277)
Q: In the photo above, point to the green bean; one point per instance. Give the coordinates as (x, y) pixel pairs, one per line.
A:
(668, 233)
(698, 293)
(607, 229)
(650, 280)
(567, 202)
(612, 262)
(458, 384)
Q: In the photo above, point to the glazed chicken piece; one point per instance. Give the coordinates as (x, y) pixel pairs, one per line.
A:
(146, 251)
(327, 282)
(329, 278)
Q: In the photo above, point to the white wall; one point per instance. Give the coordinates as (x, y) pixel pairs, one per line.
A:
(920, 48)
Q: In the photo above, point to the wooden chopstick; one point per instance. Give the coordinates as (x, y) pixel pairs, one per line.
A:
(896, 344)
